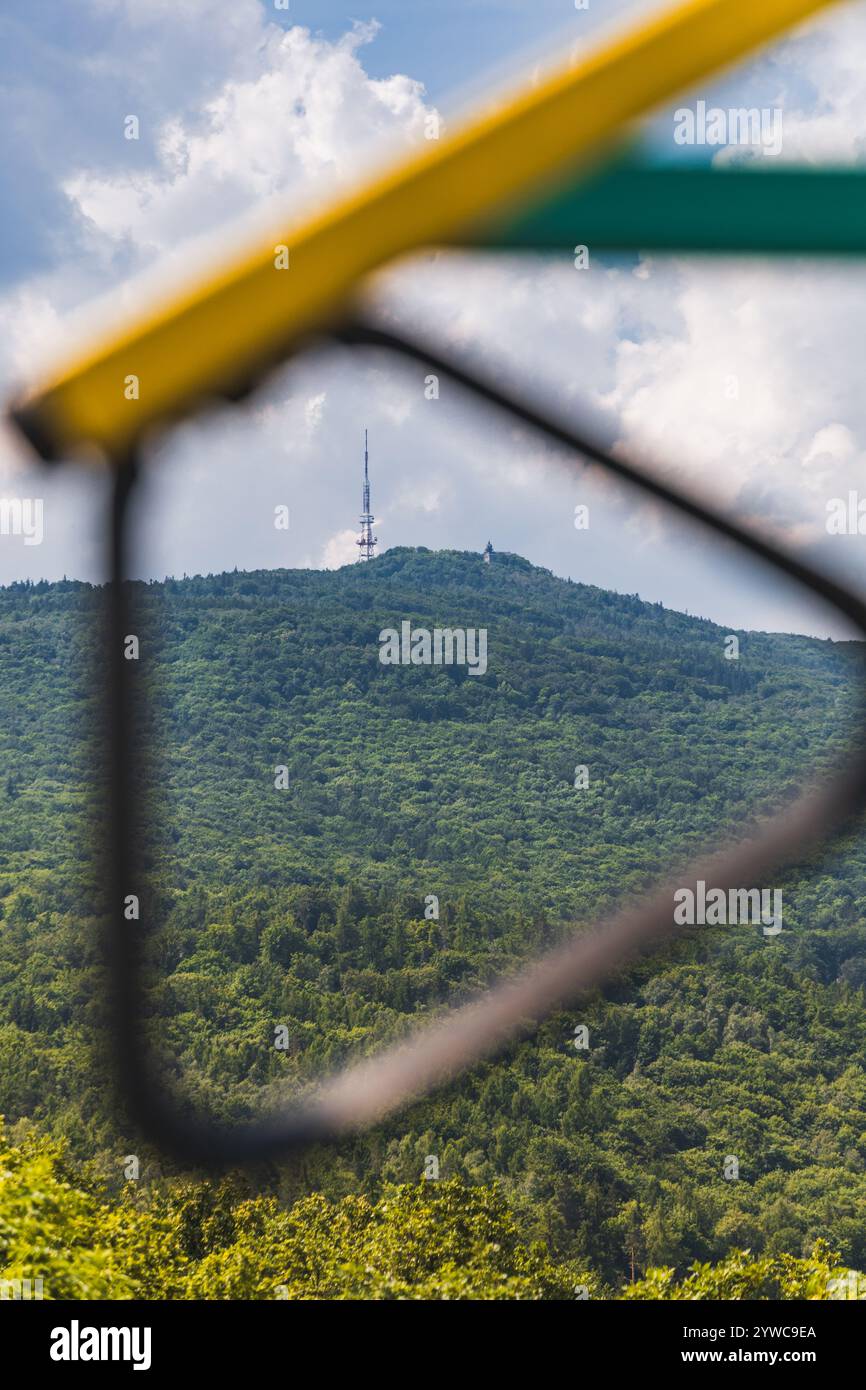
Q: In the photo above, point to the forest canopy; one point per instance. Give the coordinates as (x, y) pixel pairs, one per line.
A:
(430, 832)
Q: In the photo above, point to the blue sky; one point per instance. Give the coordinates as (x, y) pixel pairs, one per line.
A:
(240, 103)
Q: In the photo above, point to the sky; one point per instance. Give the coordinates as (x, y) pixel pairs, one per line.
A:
(737, 377)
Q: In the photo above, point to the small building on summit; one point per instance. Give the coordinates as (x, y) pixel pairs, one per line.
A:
(488, 553)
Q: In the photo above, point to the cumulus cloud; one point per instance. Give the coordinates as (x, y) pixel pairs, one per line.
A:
(339, 550)
(308, 121)
(820, 89)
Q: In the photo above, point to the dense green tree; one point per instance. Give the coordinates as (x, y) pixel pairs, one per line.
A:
(304, 910)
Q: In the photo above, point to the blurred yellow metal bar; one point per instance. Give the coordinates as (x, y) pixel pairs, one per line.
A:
(221, 332)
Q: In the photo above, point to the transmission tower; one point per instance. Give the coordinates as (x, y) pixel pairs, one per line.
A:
(366, 542)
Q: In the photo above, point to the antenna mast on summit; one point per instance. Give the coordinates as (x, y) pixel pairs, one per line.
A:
(366, 542)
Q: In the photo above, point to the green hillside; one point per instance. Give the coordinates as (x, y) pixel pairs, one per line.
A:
(304, 906)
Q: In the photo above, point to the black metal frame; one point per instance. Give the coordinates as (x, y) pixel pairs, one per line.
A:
(368, 1090)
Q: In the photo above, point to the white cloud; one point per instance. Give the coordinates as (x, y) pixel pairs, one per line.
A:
(308, 120)
(314, 410)
(822, 86)
(340, 549)
(726, 374)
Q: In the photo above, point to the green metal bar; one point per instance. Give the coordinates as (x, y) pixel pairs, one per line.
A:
(638, 206)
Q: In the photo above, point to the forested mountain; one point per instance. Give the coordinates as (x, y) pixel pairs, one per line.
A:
(307, 804)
